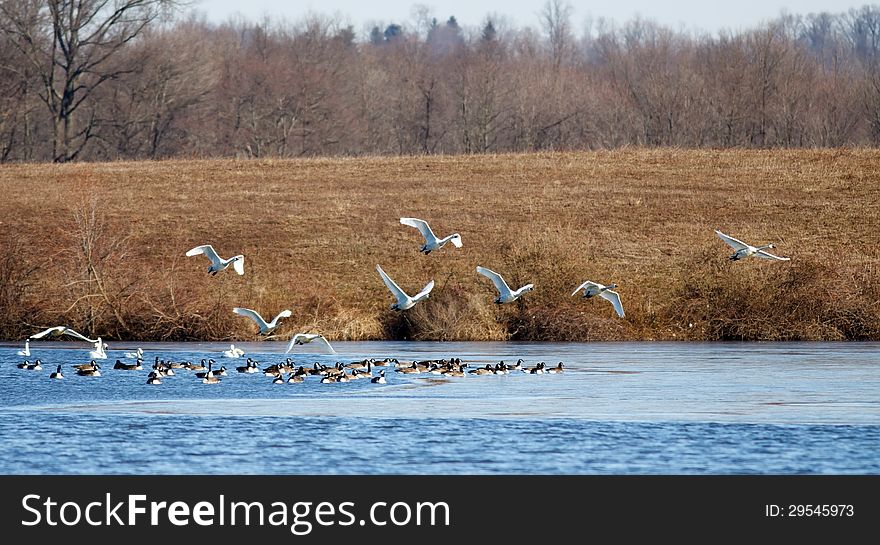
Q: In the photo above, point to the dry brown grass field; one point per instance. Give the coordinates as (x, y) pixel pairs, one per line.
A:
(100, 247)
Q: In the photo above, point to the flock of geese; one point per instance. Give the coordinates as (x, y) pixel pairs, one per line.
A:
(355, 370)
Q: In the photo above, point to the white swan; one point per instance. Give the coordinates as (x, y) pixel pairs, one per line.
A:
(592, 289)
(303, 338)
(404, 301)
(100, 350)
(57, 331)
(744, 250)
(506, 295)
(431, 241)
(27, 349)
(233, 352)
(265, 327)
(135, 355)
(218, 263)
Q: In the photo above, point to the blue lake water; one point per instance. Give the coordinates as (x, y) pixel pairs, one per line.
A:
(619, 408)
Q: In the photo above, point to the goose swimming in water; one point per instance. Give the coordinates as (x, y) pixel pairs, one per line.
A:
(743, 250)
(265, 327)
(57, 374)
(305, 338)
(431, 241)
(379, 379)
(153, 378)
(218, 263)
(591, 289)
(404, 301)
(95, 371)
(505, 294)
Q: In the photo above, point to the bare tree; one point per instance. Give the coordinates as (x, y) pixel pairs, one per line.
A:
(70, 47)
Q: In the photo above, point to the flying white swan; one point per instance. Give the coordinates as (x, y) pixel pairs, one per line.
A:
(100, 350)
(139, 354)
(404, 301)
(218, 263)
(506, 295)
(265, 327)
(57, 331)
(303, 338)
(431, 241)
(233, 352)
(743, 250)
(27, 349)
(592, 289)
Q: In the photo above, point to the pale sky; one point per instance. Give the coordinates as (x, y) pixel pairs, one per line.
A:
(690, 14)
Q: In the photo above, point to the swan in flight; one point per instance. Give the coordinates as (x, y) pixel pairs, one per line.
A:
(233, 352)
(592, 289)
(139, 354)
(265, 327)
(218, 263)
(303, 338)
(743, 250)
(404, 301)
(506, 295)
(60, 330)
(431, 241)
(27, 349)
(100, 350)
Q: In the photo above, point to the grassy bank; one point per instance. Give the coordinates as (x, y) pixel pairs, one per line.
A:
(100, 247)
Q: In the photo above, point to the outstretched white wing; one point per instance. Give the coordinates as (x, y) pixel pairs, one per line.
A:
(394, 288)
(585, 285)
(238, 264)
(253, 315)
(496, 279)
(209, 252)
(425, 291)
(423, 228)
(764, 255)
(732, 242)
(614, 297)
(282, 314)
(51, 332)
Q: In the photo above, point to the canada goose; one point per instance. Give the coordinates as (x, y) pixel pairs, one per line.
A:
(176, 365)
(210, 379)
(265, 327)
(516, 366)
(289, 366)
(136, 366)
(198, 366)
(328, 379)
(217, 263)
(384, 363)
(342, 378)
(431, 241)
(296, 378)
(538, 369)
(554, 370)
(94, 372)
(591, 289)
(411, 370)
(153, 378)
(380, 379)
(505, 294)
(57, 374)
(363, 364)
(250, 367)
(91, 366)
(233, 352)
(24, 365)
(454, 372)
(35, 366)
(501, 369)
(743, 250)
(487, 370)
(212, 373)
(27, 349)
(404, 301)
(279, 379)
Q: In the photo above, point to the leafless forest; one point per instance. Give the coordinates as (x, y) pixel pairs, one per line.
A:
(99, 80)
